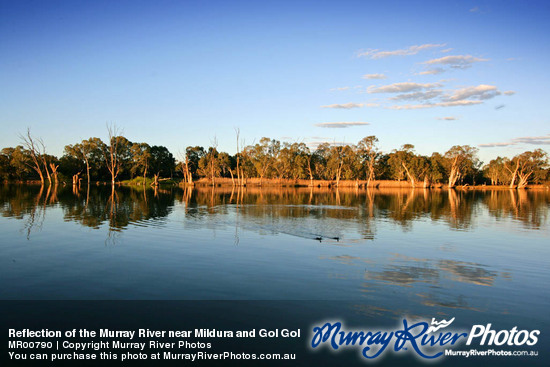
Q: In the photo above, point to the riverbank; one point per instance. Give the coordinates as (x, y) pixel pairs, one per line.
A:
(327, 184)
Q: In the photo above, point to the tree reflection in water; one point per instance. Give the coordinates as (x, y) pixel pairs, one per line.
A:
(271, 208)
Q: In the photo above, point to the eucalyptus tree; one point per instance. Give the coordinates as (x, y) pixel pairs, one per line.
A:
(368, 154)
(341, 163)
(437, 170)
(226, 165)
(261, 157)
(405, 163)
(300, 160)
(528, 166)
(162, 161)
(496, 171)
(209, 165)
(141, 157)
(190, 165)
(320, 157)
(462, 160)
(117, 154)
(89, 152)
(15, 162)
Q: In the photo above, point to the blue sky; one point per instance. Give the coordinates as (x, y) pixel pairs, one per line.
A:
(178, 73)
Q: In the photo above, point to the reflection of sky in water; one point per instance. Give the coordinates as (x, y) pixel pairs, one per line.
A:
(394, 252)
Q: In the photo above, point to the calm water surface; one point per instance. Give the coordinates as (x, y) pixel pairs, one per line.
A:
(392, 252)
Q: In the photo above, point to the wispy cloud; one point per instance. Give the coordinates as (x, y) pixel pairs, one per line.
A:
(339, 89)
(481, 92)
(432, 95)
(433, 71)
(412, 50)
(500, 107)
(374, 76)
(529, 140)
(447, 50)
(534, 140)
(456, 61)
(448, 118)
(475, 9)
(509, 93)
(340, 125)
(345, 106)
(492, 145)
(402, 87)
(431, 105)
(417, 96)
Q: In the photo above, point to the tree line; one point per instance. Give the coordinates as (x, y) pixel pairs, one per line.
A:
(119, 159)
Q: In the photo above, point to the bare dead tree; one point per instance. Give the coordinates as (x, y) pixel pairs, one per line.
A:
(33, 147)
(213, 159)
(111, 153)
(238, 155)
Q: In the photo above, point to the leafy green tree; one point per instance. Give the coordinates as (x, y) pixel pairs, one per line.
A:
(461, 162)
(405, 163)
(15, 163)
(528, 167)
(209, 165)
(141, 157)
(261, 157)
(368, 154)
(437, 172)
(162, 161)
(117, 154)
(193, 156)
(496, 171)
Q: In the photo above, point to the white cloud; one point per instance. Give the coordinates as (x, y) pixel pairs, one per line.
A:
(448, 118)
(345, 106)
(481, 92)
(402, 87)
(530, 140)
(492, 145)
(509, 93)
(374, 76)
(412, 50)
(431, 105)
(457, 103)
(418, 96)
(447, 50)
(339, 89)
(433, 71)
(456, 61)
(475, 9)
(537, 140)
(340, 125)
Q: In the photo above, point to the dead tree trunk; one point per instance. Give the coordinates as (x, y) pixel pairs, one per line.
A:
(35, 153)
(54, 172)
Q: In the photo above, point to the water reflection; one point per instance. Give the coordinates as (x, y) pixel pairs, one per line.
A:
(396, 251)
(274, 210)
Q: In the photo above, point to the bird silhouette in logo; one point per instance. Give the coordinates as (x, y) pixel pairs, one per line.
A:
(439, 325)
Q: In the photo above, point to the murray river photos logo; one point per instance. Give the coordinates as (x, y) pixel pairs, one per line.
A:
(425, 340)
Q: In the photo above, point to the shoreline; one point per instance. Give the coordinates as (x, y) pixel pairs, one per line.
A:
(299, 183)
